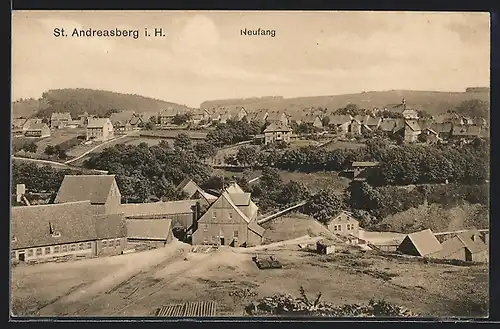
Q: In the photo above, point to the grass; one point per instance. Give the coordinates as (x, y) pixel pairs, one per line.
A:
(317, 180)
(343, 145)
(427, 289)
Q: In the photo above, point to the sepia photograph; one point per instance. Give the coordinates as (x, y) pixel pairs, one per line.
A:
(250, 164)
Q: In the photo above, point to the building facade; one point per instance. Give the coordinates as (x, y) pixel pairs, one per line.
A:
(277, 132)
(344, 224)
(100, 129)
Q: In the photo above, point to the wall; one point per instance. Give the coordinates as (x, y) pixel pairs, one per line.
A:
(112, 246)
(460, 254)
(482, 256)
(211, 233)
(253, 239)
(87, 249)
(343, 220)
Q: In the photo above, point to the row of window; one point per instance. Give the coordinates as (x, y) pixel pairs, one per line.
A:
(66, 248)
(214, 215)
(205, 229)
(349, 227)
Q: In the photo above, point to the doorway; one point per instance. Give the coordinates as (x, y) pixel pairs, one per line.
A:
(21, 256)
(222, 241)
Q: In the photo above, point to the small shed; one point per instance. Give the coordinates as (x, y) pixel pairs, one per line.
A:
(325, 247)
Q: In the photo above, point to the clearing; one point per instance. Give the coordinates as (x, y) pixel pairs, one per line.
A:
(137, 284)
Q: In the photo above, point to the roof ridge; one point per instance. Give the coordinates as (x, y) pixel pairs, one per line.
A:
(50, 204)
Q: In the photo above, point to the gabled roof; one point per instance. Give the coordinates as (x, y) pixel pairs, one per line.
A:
(98, 123)
(441, 127)
(424, 242)
(275, 115)
(388, 125)
(60, 115)
(31, 225)
(240, 199)
(121, 117)
(339, 119)
(18, 123)
(413, 125)
(474, 246)
(277, 126)
(259, 115)
(189, 187)
(157, 208)
(110, 226)
(169, 112)
(254, 227)
(349, 214)
(466, 130)
(85, 187)
(234, 188)
(225, 196)
(425, 124)
(151, 229)
(38, 126)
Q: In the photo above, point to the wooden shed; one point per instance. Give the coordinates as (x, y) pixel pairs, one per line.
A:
(325, 247)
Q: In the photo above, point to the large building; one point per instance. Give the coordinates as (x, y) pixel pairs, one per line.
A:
(100, 129)
(101, 190)
(39, 130)
(344, 223)
(156, 233)
(60, 120)
(68, 229)
(225, 223)
(276, 132)
(465, 246)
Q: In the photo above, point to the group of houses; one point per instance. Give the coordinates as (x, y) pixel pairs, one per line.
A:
(87, 218)
(465, 245)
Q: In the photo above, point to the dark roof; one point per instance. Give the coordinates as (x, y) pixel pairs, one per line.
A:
(121, 117)
(466, 130)
(339, 119)
(169, 112)
(413, 124)
(388, 124)
(274, 115)
(441, 127)
(425, 123)
(424, 242)
(157, 208)
(31, 225)
(154, 229)
(110, 226)
(85, 187)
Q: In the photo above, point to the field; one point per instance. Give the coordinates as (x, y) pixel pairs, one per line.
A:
(172, 133)
(317, 180)
(137, 284)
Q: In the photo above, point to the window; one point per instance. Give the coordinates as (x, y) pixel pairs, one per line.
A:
(14, 239)
(104, 243)
(65, 248)
(89, 245)
(47, 250)
(38, 251)
(56, 234)
(230, 215)
(80, 246)
(235, 234)
(214, 214)
(73, 247)
(335, 227)
(111, 243)
(205, 240)
(30, 252)
(118, 242)
(13, 255)
(56, 249)
(205, 228)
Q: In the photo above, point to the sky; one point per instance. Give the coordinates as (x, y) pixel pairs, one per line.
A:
(203, 55)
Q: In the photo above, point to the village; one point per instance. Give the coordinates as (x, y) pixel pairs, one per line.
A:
(88, 219)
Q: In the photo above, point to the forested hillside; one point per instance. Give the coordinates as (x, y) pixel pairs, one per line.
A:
(77, 101)
(432, 102)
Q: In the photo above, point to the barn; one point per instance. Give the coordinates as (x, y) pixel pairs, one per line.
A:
(153, 232)
(422, 243)
(466, 246)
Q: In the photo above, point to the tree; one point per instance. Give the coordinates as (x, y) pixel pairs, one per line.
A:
(474, 108)
(205, 150)
(246, 155)
(153, 119)
(164, 144)
(292, 193)
(180, 119)
(30, 147)
(182, 142)
(149, 125)
(49, 150)
(270, 179)
(325, 121)
(111, 111)
(45, 120)
(324, 204)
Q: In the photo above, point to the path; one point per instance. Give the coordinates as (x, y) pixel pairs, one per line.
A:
(95, 148)
(59, 164)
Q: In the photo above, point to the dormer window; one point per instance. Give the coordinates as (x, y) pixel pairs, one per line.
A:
(56, 234)
(14, 239)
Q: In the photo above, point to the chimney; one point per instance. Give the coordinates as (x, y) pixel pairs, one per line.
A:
(20, 190)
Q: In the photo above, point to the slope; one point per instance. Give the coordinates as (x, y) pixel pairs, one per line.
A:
(431, 101)
(77, 101)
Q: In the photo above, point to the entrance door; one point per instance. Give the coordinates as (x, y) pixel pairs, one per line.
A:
(21, 256)
(221, 241)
